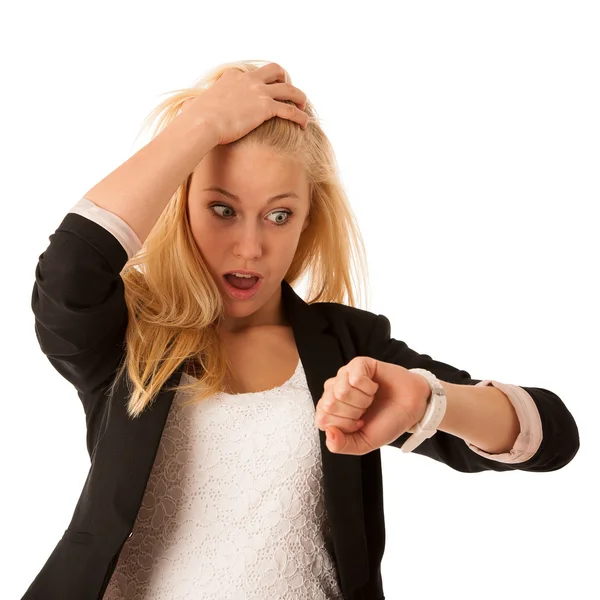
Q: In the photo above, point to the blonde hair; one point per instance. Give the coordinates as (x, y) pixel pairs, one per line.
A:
(174, 305)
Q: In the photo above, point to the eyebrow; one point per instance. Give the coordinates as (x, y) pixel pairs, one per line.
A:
(236, 199)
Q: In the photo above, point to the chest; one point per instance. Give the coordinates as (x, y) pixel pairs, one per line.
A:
(261, 359)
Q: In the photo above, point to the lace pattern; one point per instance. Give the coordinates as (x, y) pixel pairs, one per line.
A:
(233, 508)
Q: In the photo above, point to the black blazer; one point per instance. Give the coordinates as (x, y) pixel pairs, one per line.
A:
(80, 323)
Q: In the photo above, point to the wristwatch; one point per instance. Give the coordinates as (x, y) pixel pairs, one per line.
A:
(436, 409)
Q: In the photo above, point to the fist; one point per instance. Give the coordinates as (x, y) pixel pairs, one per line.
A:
(368, 404)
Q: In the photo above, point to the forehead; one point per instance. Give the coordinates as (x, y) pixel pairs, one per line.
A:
(251, 168)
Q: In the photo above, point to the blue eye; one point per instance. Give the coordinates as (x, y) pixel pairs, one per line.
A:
(278, 224)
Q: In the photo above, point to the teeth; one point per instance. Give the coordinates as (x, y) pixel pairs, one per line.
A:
(242, 275)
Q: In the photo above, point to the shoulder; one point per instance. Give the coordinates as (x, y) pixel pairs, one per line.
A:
(369, 332)
(333, 311)
(348, 320)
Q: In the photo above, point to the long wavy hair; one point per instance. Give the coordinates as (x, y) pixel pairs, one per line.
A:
(173, 303)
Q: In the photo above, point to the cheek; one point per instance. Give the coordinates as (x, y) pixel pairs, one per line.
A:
(204, 235)
(200, 222)
(195, 216)
(207, 241)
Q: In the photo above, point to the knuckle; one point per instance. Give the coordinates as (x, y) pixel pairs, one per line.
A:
(280, 69)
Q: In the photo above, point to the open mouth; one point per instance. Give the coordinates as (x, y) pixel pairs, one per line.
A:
(241, 288)
(241, 283)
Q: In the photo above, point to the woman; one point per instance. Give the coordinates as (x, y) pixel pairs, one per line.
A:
(211, 475)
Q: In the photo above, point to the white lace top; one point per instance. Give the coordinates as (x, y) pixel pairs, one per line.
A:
(234, 507)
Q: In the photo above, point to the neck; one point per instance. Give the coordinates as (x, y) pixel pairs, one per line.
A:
(271, 314)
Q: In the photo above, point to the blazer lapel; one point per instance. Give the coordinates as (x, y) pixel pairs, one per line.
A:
(125, 453)
(321, 357)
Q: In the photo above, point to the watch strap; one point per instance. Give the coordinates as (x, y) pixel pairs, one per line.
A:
(434, 414)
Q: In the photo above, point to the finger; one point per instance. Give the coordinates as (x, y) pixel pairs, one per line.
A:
(324, 421)
(350, 443)
(330, 407)
(359, 379)
(348, 394)
(290, 112)
(286, 91)
(362, 370)
(273, 72)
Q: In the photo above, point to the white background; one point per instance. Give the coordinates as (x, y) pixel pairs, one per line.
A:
(467, 138)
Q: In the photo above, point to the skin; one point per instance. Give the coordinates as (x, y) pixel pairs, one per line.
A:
(248, 237)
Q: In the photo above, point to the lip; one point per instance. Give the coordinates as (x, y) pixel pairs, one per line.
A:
(243, 271)
(242, 294)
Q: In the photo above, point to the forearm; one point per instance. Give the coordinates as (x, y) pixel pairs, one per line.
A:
(139, 190)
(482, 416)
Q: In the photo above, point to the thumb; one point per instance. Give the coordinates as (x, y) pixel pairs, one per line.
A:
(333, 436)
(336, 439)
(346, 443)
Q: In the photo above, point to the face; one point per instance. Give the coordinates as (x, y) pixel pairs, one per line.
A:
(251, 234)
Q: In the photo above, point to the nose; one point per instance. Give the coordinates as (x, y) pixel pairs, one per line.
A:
(248, 246)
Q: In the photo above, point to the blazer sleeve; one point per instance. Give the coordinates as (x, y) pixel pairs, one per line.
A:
(558, 446)
(78, 299)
